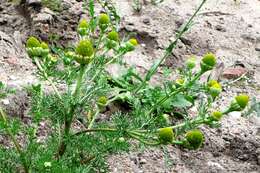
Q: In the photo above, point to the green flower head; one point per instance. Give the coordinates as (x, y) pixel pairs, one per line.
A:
(103, 21)
(242, 100)
(208, 62)
(85, 48)
(102, 100)
(166, 135)
(212, 82)
(44, 45)
(217, 115)
(133, 41)
(239, 103)
(195, 139)
(191, 62)
(179, 82)
(215, 90)
(33, 42)
(113, 35)
(83, 24)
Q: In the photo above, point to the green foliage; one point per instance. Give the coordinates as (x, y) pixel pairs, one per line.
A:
(83, 90)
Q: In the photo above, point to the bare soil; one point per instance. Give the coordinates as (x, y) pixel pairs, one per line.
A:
(228, 29)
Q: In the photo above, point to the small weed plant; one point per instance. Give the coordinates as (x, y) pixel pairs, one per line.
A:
(78, 139)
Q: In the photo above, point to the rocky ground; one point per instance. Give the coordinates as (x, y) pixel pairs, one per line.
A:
(228, 29)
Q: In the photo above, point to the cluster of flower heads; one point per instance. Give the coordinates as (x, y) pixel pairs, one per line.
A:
(85, 50)
(35, 48)
(193, 139)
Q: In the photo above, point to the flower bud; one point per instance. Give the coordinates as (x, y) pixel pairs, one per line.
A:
(52, 58)
(242, 100)
(83, 24)
(166, 135)
(85, 48)
(194, 139)
(166, 118)
(33, 42)
(133, 41)
(44, 45)
(191, 62)
(215, 89)
(121, 139)
(113, 35)
(212, 82)
(217, 115)
(112, 40)
(45, 49)
(208, 62)
(239, 103)
(179, 82)
(130, 45)
(103, 21)
(83, 27)
(102, 100)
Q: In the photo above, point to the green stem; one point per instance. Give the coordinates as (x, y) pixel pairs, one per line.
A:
(197, 121)
(93, 119)
(79, 81)
(38, 64)
(95, 130)
(15, 142)
(69, 117)
(143, 140)
(170, 48)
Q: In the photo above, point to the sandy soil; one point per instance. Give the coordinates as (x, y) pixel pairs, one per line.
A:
(228, 29)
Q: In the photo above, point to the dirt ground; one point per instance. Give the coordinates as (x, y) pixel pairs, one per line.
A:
(228, 29)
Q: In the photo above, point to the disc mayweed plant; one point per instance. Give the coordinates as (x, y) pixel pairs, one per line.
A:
(83, 90)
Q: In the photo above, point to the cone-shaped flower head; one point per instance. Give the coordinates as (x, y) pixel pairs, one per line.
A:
(35, 48)
(239, 103)
(83, 27)
(44, 45)
(214, 88)
(85, 48)
(113, 35)
(179, 82)
(208, 62)
(102, 100)
(217, 115)
(212, 82)
(166, 135)
(83, 24)
(103, 21)
(191, 62)
(33, 42)
(195, 139)
(242, 100)
(133, 41)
